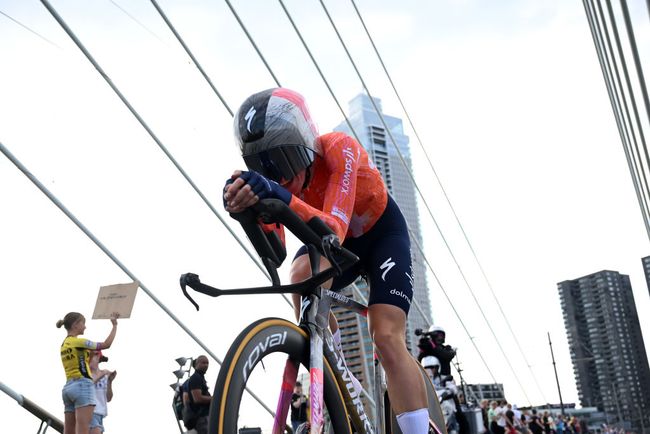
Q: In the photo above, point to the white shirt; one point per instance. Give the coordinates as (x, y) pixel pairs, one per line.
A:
(501, 416)
(101, 388)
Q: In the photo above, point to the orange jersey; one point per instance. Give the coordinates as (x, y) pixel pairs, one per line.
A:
(346, 190)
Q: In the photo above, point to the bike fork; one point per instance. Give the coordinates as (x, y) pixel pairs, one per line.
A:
(316, 380)
(286, 391)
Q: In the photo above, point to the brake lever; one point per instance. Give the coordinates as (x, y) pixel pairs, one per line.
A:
(188, 279)
(330, 244)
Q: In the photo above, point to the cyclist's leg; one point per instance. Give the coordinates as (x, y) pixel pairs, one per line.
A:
(301, 270)
(405, 384)
(388, 266)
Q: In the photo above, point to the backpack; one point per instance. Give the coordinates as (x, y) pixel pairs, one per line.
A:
(178, 401)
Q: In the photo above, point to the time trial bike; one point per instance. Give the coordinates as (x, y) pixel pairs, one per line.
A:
(335, 405)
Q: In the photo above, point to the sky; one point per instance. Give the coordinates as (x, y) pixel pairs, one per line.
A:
(508, 99)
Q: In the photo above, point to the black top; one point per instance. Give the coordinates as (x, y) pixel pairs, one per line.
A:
(444, 353)
(299, 413)
(197, 381)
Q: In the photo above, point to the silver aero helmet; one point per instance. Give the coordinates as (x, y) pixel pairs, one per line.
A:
(275, 133)
(430, 362)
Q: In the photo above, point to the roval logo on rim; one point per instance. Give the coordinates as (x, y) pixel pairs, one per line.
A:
(269, 342)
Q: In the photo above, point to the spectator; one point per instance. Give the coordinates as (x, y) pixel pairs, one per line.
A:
(299, 404)
(534, 424)
(510, 420)
(493, 417)
(79, 391)
(199, 395)
(103, 380)
(501, 417)
(559, 425)
(546, 422)
(484, 414)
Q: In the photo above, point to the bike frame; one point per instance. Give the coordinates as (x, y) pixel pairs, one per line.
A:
(314, 318)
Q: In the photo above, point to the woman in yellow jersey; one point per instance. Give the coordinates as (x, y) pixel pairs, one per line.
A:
(79, 390)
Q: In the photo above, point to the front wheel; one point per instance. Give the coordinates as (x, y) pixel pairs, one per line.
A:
(256, 360)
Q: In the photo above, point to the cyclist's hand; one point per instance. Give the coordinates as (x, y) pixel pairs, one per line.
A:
(237, 194)
(249, 187)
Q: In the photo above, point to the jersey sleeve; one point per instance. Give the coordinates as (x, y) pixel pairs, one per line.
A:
(274, 227)
(83, 343)
(342, 154)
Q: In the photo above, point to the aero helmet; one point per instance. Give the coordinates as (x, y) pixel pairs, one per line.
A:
(430, 362)
(275, 133)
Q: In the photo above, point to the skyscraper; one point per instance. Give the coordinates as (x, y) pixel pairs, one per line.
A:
(646, 270)
(355, 338)
(375, 139)
(607, 350)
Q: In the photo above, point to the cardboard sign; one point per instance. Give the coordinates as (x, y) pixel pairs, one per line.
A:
(116, 298)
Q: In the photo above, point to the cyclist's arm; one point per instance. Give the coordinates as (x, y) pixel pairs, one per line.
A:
(342, 159)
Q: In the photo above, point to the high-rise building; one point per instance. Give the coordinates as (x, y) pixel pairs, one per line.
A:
(646, 270)
(607, 350)
(355, 339)
(375, 139)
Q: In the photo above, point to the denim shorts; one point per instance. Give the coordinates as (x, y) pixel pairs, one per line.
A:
(97, 422)
(77, 393)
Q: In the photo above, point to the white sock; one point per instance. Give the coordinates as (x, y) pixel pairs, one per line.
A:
(414, 422)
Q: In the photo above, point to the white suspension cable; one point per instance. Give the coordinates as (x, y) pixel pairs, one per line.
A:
(115, 260)
(447, 198)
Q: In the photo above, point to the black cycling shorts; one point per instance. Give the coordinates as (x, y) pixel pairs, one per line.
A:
(384, 260)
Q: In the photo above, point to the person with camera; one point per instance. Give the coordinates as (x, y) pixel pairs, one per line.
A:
(432, 343)
(299, 404)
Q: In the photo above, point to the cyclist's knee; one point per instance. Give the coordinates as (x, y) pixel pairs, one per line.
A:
(390, 346)
(300, 269)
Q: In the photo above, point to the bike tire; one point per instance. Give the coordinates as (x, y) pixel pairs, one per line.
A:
(230, 385)
(435, 412)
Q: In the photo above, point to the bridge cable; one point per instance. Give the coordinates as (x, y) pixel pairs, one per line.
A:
(113, 258)
(444, 192)
(383, 121)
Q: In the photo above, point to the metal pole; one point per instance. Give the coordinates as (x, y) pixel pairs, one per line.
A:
(557, 381)
(177, 421)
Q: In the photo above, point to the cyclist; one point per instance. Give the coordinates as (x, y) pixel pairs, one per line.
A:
(332, 177)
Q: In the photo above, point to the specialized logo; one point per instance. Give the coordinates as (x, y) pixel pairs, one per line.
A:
(347, 379)
(400, 294)
(271, 341)
(387, 265)
(303, 307)
(410, 276)
(337, 296)
(249, 118)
